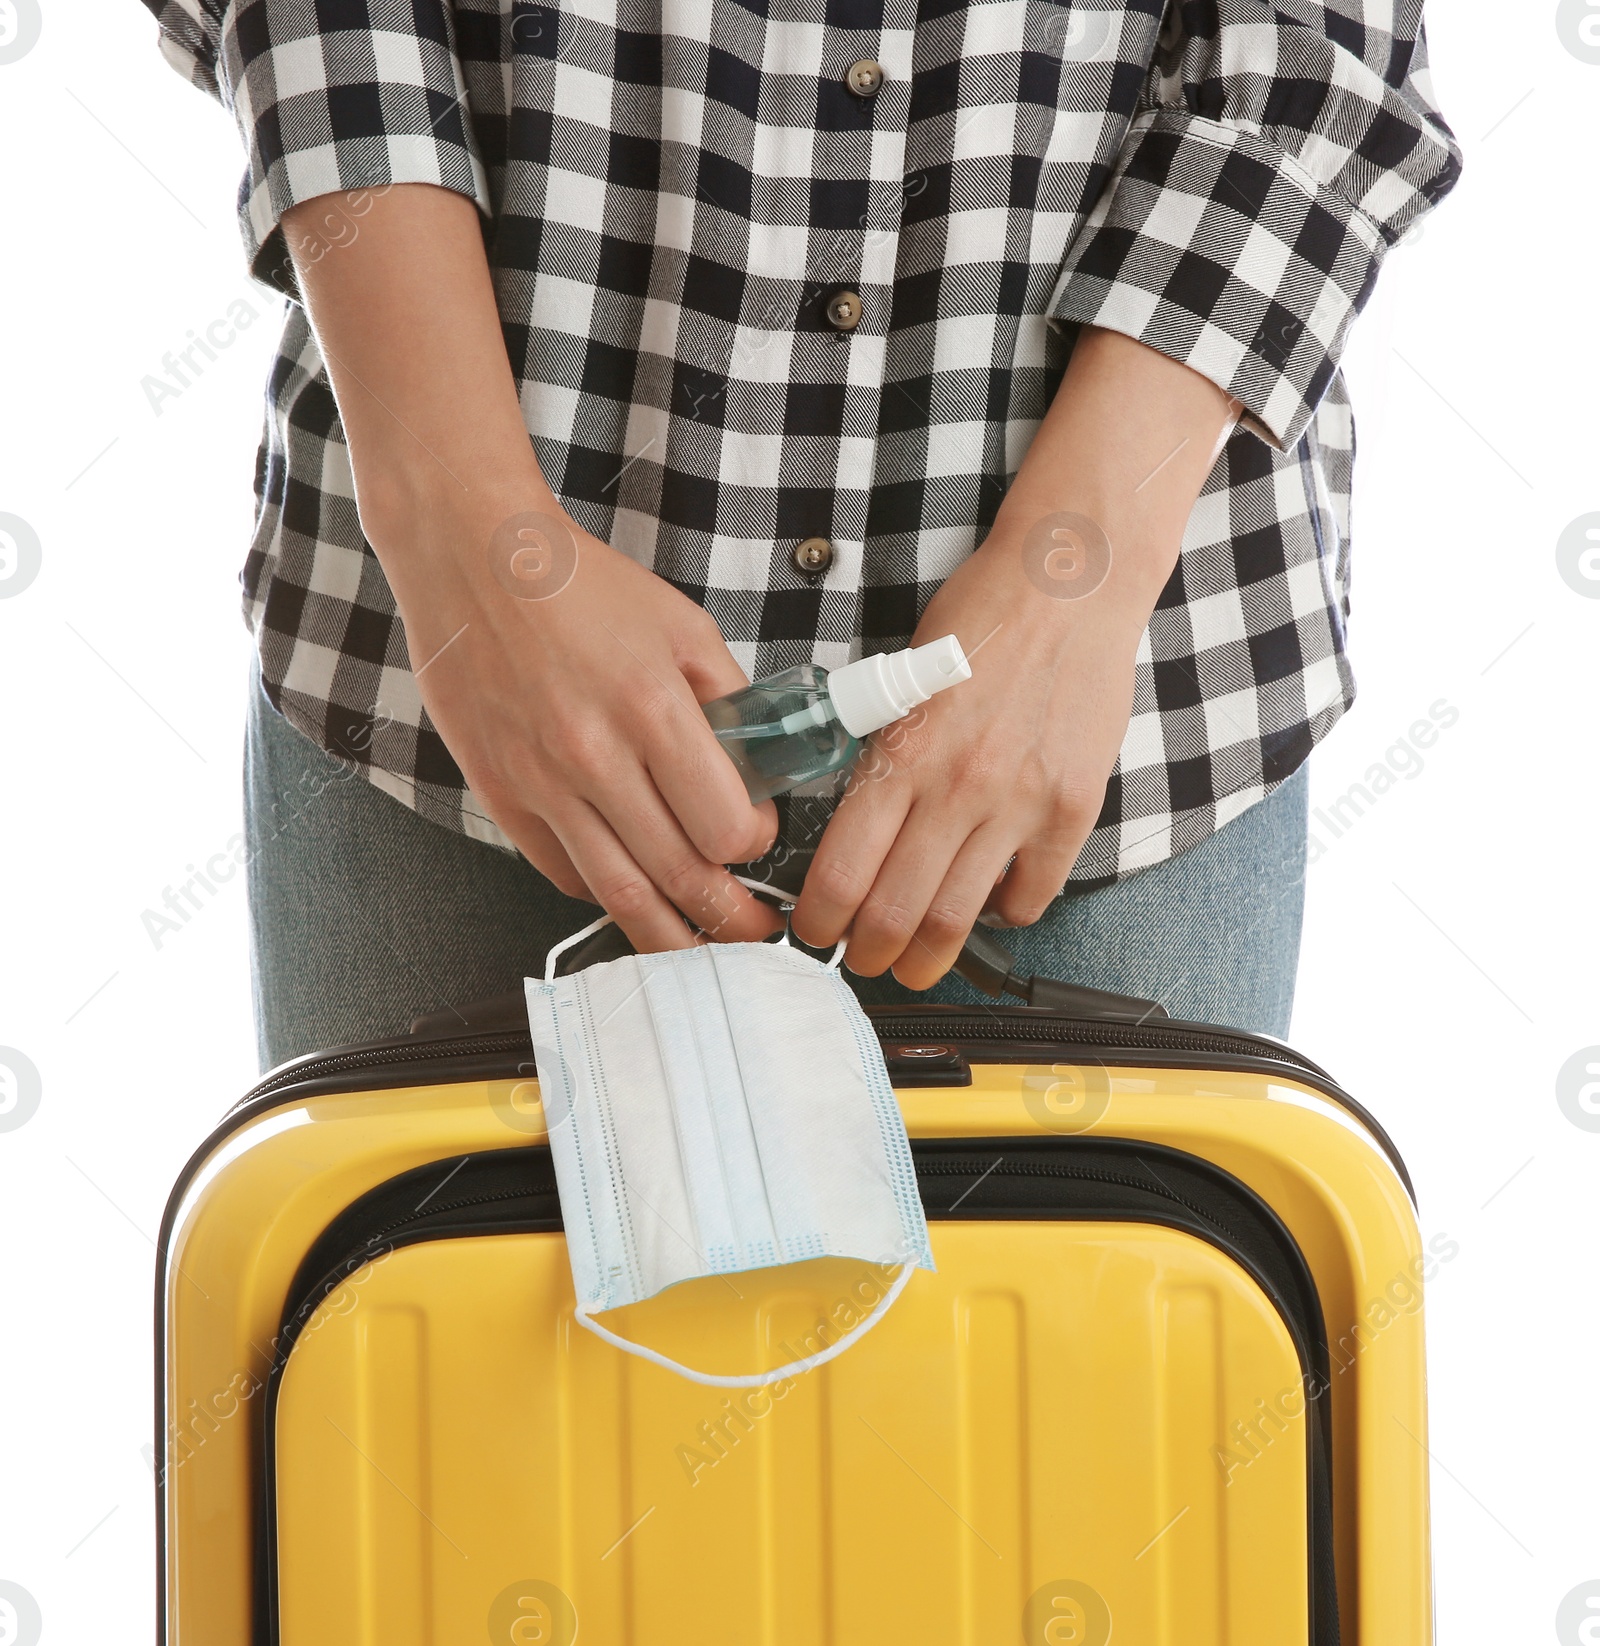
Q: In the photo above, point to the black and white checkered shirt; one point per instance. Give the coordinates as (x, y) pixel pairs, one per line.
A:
(673, 191)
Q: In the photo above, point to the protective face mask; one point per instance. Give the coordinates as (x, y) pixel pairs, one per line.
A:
(717, 1109)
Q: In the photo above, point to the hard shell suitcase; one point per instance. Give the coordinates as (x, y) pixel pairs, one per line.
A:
(1166, 1385)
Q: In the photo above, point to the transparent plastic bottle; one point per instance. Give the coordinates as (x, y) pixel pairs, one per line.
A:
(808, 721)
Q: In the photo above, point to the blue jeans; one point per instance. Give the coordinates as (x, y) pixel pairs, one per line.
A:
(364, 915)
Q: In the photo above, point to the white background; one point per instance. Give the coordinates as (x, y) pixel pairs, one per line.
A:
(1449, 963)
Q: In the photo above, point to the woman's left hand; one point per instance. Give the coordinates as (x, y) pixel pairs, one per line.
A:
(1014, 761)
(1011, 763)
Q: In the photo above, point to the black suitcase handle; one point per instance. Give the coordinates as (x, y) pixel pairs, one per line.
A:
(985, 962)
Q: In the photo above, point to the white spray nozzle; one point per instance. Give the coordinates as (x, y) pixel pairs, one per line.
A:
(873, 692)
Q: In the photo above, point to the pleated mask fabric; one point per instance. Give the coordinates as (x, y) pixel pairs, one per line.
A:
(717, 1109)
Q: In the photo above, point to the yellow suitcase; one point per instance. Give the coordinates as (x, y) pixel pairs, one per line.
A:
(1165, 1388)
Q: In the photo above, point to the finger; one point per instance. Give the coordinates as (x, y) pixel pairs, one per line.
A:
(955, 906)
(623, 889)
(894, 909)
(691, 768)
(1035, 880)
(704, 792)
(702, 889)
(537, 842)
(853, 847)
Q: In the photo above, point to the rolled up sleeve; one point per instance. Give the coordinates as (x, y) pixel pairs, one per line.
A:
(332, 96)
(1279, 151)
(190, 30)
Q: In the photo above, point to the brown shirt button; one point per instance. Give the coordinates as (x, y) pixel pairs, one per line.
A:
(844, 310)
(815, 554)
(864, 78)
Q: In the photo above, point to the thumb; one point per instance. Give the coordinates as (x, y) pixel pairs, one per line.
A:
(709, 670)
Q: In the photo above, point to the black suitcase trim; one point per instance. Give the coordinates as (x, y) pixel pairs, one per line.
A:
(513, 1191)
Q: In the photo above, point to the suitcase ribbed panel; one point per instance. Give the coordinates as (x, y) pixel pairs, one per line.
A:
(1040, 1415)
(389, 1370)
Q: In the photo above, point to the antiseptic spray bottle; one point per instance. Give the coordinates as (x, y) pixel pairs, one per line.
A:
(809, 721)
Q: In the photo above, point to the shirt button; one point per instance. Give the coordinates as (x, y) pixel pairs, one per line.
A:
(864, 78)
(815, 554)
(844, 310)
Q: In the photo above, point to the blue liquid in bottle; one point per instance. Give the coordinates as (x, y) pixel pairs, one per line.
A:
(808, 721)
(782, 731)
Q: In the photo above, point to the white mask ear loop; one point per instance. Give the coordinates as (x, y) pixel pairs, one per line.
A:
(756, 1380)
(787, 941)
(786, 899)
(567, 942)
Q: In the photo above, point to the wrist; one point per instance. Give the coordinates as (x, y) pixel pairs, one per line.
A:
(1065, 568)
(438, 516)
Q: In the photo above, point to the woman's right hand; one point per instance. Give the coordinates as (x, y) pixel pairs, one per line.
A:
(566, 680)
(573, 715)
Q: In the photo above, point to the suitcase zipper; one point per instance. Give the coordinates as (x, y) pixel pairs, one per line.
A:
(380, 1054)
(925, 1168)
(965, 1168)
(1157, 1037)
(976, 1026)
(1029, 1024)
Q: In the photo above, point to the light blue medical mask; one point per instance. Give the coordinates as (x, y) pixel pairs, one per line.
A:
(717, 1109)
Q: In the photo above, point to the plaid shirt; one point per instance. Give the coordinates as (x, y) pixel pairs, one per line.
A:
(672, 194)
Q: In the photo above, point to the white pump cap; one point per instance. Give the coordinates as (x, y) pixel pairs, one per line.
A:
(875, 691)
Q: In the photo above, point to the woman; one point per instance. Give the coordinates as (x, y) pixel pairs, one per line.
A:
(638, 349)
